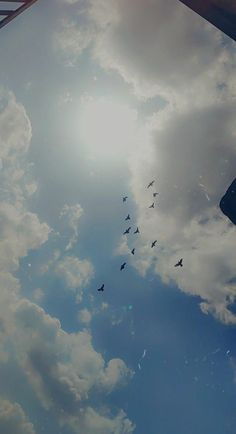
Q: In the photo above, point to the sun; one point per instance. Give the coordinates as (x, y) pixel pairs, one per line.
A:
(107, 129)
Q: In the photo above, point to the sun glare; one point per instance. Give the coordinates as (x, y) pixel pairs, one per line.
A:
(107, 129)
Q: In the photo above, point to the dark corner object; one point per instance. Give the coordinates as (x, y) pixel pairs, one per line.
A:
(7, 15)
(220, 13)
(228, 203)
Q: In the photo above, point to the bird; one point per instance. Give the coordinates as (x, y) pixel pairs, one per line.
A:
(152, 205)
(155, 194)
(132, 251)
(102, 288)
(137, 231)
(125, 198)
(151, 184)
(180, 263)
(153, 243)
(122, 266)
(128, 217)
(127, 231)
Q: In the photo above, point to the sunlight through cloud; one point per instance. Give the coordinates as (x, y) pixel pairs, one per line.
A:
(107, 129)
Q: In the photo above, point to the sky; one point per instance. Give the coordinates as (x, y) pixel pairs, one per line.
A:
(97, 99)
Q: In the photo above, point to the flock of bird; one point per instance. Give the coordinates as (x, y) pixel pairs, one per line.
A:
(127, 231)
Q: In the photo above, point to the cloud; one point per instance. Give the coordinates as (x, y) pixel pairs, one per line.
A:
(92, 422)
(64, 369)
(76, 273)
(70, 40)
(85, 316)
(13, 419)
(163, 48)
(38, 294)
(45, 267)
(31, 188)
(15, 128)
(20, 231)
(192, 156)
(157, 47)
(72, 214)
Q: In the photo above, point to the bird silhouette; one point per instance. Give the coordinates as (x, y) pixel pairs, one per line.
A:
(132, 251)
(151, 184)
(127, 231)
(137, 231)
(102, 288)
(153, 243)
(125, 198)
(128, 217)
(152, 205)
(155, 194)
(180, 263)
(122, 266)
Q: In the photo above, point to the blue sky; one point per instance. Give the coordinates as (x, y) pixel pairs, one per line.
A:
(98, 98)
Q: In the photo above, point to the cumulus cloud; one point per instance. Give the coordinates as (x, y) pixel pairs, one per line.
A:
(21, 230)
(85, 316)
(76, 273)
(64, 369)
(193, 158)
(158, 46)
(15, 128)
(13, 419)
(94, 423)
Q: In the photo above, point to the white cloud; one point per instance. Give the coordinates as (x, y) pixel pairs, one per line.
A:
(20, 231)
(115, 372)
(38, 294)
(70, 40)
(13, 419)
(15, 128)
(45, 267)
(158, 47)
(85, 316)
(31, 188)
(76, 273)
(164, 48)
(191, 147)
(64, 369)
(91, 422)
(72, 214)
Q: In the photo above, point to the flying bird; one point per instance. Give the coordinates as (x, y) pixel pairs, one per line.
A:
(125, 198)
(151, 184)
(102, 288)
(180, 263)
(155, 194)
(122, 266)
(128, 217)
(127, 231)
(132, 251)
(137, 231)
(153, 243)
(152, 205)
